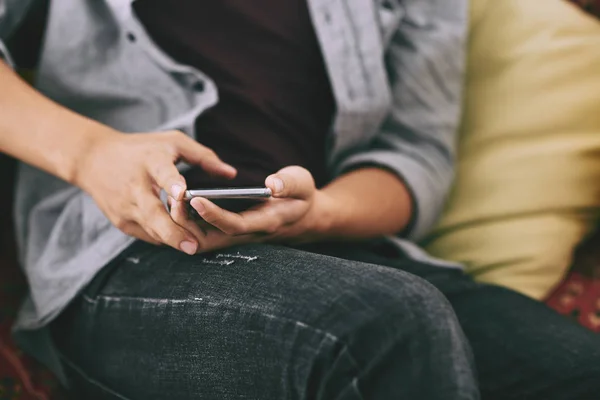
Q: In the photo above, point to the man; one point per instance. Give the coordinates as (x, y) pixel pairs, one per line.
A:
(347, 111)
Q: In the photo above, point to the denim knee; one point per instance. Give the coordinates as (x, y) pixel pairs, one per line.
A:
(391, 331)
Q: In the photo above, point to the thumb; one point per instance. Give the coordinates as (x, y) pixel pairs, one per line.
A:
(292, 182)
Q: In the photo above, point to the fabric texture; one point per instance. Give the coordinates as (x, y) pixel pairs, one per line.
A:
(325, 321)
(275, 104)
(528, 179)
(261, 322)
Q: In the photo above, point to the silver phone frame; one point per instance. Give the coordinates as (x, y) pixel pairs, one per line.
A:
(229, 193)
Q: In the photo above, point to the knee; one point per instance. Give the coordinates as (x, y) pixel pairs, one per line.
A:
(386, 308)
(401, 323)
(399, 302)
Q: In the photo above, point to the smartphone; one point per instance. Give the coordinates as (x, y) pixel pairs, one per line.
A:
(229, 193)
(231, 199)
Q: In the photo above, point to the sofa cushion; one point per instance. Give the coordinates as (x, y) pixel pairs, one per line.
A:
(528, 178)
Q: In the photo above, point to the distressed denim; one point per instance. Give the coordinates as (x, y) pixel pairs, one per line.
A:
(328, 321)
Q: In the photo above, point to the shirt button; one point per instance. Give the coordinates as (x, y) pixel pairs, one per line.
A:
(199, 86)
(131, 37)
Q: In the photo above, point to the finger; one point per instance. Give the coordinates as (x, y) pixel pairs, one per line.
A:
(135, 230)
(292, 182)
(179, 214)
(155, 220)
(216, 240)
(197, 154)
(269, 218)
(167, 176)
(233, 223)
(226, 221)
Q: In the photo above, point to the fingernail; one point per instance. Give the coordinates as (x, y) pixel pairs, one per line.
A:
(277, 183)
(188, 247)
(176, 191)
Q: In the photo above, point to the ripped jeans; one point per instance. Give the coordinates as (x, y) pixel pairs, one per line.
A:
(327, 321)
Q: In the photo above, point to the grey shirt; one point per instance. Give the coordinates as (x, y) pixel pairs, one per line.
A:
(396, 68)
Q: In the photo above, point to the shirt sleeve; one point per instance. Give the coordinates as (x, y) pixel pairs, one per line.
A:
(426, 61)
(11, 14)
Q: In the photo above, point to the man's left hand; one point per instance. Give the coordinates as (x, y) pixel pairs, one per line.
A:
(295, 213)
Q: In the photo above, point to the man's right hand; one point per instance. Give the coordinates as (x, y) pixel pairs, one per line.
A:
(125, 172)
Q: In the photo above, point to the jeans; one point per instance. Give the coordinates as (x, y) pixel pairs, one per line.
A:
(326, 321)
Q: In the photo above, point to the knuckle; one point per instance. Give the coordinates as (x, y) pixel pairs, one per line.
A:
(275, 225)
(153, 235)
(210, 153)
(210, 216)
(181, 139)
(178, 216)
(167, 172)
(238, 229)
(230, 231)
(172, 237)
(176, 134)
(136, 188)
(271, 229)
(154, 231)
(157, 208)
(122, 224)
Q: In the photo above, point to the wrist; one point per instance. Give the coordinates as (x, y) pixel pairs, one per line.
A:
(78, 163)
(326, 214)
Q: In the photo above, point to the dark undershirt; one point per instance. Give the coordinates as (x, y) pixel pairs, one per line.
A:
(275, 101)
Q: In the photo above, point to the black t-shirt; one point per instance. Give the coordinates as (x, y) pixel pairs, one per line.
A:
(275, 100)
(26, 42)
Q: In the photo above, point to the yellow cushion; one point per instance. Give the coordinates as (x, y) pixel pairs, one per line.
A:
(528, 179)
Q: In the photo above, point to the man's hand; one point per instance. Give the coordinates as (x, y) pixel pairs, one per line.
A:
(124, 175)
(297, 212)
(364, 203)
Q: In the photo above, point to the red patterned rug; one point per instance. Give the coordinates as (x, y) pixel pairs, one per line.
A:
(578, 296)
(21, 377)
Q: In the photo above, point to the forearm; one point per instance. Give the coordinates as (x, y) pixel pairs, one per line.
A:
(364, 203)
(40, 132)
